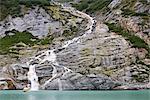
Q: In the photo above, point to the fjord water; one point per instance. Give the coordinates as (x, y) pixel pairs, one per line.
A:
(75, 95)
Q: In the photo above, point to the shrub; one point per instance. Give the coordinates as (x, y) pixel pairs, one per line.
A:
(10, 40)
(24, 37)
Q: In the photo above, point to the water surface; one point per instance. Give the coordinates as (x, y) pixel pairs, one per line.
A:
(76, 95)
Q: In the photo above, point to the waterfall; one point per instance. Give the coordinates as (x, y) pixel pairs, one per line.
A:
(60, 85)
(33, 78)
(50, 55)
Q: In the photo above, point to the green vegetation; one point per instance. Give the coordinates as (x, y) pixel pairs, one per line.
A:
(92, 5)
(70, 32)
(35, 2)
(12, 7)
(127, 12)
(45, 41)
(63, 1)
(139, 77)
(24, 37)
(67, 33)
(135, 40)
(11, 40)
(82, 5)
(144, 1)
(55, 11)
(98, 5)
(9, 7)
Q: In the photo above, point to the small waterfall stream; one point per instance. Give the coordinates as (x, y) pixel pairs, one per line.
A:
(50, 56)
(33, 78)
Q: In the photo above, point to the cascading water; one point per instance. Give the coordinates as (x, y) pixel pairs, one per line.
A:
(33, 78)
(50, 55)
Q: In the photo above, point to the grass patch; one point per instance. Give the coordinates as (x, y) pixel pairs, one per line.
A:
(134, 40)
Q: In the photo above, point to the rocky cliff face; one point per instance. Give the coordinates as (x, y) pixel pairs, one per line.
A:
(99, 59)
(131, 15)
(41, 22)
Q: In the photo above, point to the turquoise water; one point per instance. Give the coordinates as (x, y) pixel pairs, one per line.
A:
(76, 95)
